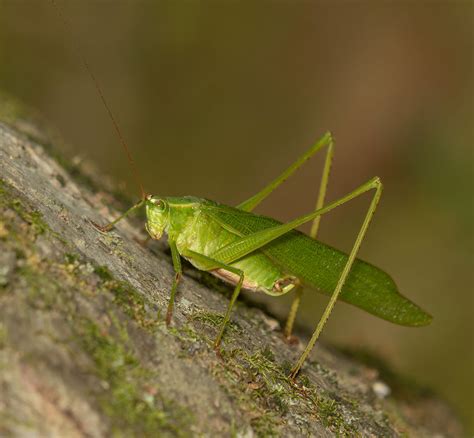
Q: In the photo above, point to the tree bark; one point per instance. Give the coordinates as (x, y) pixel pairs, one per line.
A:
(84, 350)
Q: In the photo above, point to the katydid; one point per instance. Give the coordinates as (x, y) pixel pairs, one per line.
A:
(261, 254)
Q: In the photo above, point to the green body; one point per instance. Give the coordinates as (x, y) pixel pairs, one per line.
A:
(205, 227)
(190, 223)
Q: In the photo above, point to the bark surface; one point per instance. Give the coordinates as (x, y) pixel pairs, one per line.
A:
(84, 350)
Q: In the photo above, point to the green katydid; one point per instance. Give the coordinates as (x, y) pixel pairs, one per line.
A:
(261, 254)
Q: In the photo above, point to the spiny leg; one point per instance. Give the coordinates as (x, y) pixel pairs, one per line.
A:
(313, 233)
(377, 186)
(109, 226)
(177, 277)
(212, 263)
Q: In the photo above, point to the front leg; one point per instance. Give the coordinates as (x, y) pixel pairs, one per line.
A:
(177, 277)
(110, 225)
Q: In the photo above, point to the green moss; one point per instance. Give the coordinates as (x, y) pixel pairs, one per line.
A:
(214, 320)
(261, 385)
(71, 259)
(103, 273)
(32, 217)
(276, 390)
(267, 353)
(264, 363)
(131, 403)
(328, 412)
(303, 380)
(185, 334)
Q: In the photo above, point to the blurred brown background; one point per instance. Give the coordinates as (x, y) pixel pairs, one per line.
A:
(216, 98)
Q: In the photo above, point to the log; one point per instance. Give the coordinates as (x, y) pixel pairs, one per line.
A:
(84, 350)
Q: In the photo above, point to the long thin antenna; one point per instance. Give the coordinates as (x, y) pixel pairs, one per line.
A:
(104, 101)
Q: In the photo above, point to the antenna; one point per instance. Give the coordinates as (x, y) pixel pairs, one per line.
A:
(120, 136)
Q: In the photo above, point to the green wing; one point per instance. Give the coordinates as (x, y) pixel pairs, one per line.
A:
(319, 266)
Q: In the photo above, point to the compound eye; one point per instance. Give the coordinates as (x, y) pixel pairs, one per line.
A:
(158, 203)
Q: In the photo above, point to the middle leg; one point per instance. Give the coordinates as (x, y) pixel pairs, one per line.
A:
(213, 264)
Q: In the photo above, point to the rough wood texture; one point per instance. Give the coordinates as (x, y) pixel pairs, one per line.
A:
(84, 350)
